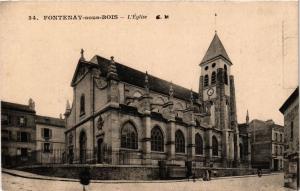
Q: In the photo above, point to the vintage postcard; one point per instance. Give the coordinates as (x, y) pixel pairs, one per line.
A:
(147, 95)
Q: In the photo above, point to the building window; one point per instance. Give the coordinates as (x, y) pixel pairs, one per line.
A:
(292, 130)
(179, 142)
(157, 140)
(46, 133)
(281, 138)
(22, 121)
(5, 119)
(129, 137)
(70, 139)
(23, 136)
(198, 144)
(276, 137)
(82, 105)
(213, 78)
(206, 68)
(214, 65)
(206, 80)
(214, 146)
(6, 135)
(46, 148)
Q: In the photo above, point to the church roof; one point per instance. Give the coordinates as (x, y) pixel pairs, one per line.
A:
(135, 77)
(214, 50)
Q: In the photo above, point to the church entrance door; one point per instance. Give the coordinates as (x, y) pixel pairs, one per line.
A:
(82, 149)
(100, 150)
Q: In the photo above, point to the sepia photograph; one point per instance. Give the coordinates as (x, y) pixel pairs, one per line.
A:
(170, 95)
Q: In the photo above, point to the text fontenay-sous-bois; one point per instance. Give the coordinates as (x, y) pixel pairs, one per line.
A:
(97, 17)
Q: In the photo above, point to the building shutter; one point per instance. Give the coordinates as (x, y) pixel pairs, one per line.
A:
(42, 132)
(51, 147)
(18, 136)
(50, 133)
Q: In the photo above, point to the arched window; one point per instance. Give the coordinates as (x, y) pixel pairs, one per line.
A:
(157, 139)
(214, 146)
(225, 67)
(129, 137)
(241, 151)
(82, 105)
(206, 80)
(179, 142)
(198, 144)
(213, 78)
(225, 77)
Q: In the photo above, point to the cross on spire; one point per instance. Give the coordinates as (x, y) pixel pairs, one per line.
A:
(82, 55)
(216, 22)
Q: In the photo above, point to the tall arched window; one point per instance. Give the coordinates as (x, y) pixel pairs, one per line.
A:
(179, 142)
(214, 146)
(241, 151)
(213, 78)
(206, 80)
(129, 136)
(225, 75)
(82, 105)
(157, 139)
(198, 144)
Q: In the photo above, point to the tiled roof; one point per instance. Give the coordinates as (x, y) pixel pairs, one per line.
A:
(50, 121)
(214, 50)
(289, 100)
(135, 77)
(16, 106)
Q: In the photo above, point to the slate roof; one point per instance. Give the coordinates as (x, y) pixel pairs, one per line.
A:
(214, 50)
(137, 78)
(50, 121)
(289, 100)
(16, 106)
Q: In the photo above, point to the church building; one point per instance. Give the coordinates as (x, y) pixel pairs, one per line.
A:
(122, 116)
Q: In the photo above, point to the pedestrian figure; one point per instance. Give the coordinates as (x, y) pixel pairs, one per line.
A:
(259, 172)
(85, 177)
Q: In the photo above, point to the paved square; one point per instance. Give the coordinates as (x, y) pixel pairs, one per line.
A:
(269, 182)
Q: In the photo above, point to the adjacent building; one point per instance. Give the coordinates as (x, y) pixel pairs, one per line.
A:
(290, 110)
(17, 133)
(50, 139)
(27, 138)
(120, 115)
(267, 144)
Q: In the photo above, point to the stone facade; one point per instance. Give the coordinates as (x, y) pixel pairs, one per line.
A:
(267, 144)
(123, 116)
(290, 110)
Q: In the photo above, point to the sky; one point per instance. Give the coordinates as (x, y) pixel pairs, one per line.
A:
(38, 57)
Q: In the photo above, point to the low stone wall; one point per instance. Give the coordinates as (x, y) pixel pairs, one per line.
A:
(130, 172)
(97, 172)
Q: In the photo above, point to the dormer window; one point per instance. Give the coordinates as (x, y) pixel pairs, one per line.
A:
(206, 80)
(213, 78)
(82, 105)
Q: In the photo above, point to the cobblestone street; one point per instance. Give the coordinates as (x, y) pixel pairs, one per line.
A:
(269, 182)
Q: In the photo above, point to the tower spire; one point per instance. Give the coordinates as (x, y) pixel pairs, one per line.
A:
(146, 83)
(247, 117)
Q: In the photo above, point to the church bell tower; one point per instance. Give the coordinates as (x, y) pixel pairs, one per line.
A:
(217, 93)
